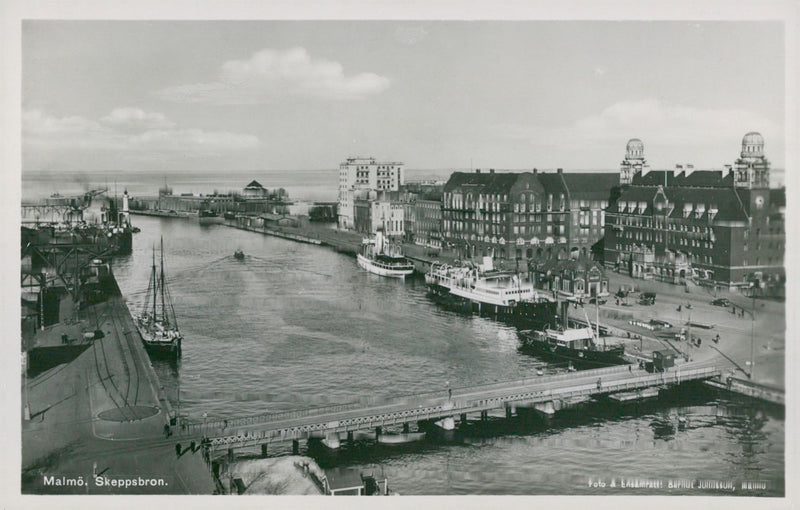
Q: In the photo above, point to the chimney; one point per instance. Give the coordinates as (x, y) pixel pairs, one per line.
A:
(478, 170)
(728, 170)
(535, 171)
(491, 170)
(560, 170)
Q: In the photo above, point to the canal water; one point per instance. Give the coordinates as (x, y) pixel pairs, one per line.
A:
(295, 326)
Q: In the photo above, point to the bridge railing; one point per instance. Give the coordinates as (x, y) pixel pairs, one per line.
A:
(270, 417)
(380, 417)
(264, 418)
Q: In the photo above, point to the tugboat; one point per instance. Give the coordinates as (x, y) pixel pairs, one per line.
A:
(238, 254)
(578, 346)
(157, 323)
(383, 258)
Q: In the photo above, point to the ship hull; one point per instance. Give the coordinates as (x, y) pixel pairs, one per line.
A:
(211, 220)
(163, 350)
(124, 242)
(365, 263)
(578, 357)
(526, 314)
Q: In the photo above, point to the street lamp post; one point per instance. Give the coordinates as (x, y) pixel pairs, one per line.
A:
(752, 333)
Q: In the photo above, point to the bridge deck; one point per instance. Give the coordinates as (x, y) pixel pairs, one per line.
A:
(255, 430)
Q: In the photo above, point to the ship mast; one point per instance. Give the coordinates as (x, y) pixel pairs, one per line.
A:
(155, 285)
(164, 316)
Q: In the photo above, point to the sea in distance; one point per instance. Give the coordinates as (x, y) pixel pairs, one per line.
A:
(295, 326)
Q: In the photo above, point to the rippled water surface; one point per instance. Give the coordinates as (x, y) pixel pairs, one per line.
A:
(295, 326)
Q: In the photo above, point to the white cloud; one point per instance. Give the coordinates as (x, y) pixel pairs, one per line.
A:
(671, 133)
(134, 119)
(125, 129)
(270, 74)
(36, 123)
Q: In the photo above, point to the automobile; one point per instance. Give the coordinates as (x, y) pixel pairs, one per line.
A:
(660, 324)
(594, 300)
(721, 302)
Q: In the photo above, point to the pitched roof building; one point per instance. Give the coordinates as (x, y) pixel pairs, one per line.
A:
(525, 215)
(723, 227)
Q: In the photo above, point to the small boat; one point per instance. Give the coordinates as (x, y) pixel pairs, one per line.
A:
(383, 258)
(209, 217)
(344, 481)
(576, 345)
(401, 438)
(238, 255)
(157, 323)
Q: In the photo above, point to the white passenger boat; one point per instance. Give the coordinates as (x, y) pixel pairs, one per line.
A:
(482, 285)
(383, 258)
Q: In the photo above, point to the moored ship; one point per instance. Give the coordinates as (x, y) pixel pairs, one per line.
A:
(579, 346)
(209, 217)
(383, 258)
(157, 322)
(481, 289)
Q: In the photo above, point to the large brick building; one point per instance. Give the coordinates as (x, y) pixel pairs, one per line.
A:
(721, 226)
(525, 215)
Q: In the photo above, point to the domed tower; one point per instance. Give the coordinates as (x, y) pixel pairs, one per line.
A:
(752, 167)
(634, 161)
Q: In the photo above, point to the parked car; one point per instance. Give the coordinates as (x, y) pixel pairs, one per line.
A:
(721, 302)
(648, 298)
(594, 299)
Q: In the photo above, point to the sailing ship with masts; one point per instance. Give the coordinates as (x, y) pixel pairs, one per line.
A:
(157, 322)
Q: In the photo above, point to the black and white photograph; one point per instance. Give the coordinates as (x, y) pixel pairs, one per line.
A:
(412, 253)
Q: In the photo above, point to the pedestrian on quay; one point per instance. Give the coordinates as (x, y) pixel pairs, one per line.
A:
(178, 449)
(166, 430)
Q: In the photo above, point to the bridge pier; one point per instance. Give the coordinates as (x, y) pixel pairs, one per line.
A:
(405, 428)
(378, 432)
(295, 447)
(463, 418)
(509, 412)
(545, 408)
(264, 450)
(332, 440)
(484, 415)
(447, 423)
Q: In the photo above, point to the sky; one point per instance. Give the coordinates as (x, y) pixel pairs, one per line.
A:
(290, 95)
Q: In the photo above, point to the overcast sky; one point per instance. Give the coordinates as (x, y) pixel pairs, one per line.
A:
(208, 95)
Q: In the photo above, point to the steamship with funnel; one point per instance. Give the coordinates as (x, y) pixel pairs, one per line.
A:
(579, 346)
(379, 256)
(471, 288)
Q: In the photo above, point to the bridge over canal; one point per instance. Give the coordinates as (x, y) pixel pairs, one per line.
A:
(545, 392)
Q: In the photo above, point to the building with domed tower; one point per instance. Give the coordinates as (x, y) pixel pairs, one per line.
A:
(634, 161)
(721, 227)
